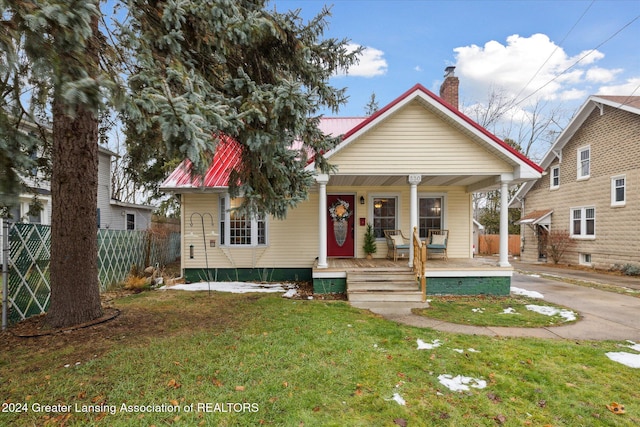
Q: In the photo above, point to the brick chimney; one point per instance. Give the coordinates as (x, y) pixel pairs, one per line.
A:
(449, 87)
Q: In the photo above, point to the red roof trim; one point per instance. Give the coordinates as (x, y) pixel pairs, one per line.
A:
(419, 88)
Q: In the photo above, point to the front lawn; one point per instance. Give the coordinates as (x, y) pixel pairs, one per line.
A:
(185, 358)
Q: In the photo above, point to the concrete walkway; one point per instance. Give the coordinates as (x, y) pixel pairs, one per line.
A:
(603, 315)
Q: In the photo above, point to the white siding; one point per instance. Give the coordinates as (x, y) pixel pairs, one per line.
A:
(293, 242)
(414, 141)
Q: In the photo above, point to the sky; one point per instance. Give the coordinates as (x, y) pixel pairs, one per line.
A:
(552, 52)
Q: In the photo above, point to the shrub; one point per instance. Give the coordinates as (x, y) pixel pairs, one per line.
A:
(631, 270)
(558, 241)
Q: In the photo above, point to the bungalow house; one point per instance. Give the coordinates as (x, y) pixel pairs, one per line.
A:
(589, 188)
(413, 164)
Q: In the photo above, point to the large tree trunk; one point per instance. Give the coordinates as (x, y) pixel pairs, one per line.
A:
(75, 291)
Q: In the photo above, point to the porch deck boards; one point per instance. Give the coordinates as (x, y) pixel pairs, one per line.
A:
(433, 265)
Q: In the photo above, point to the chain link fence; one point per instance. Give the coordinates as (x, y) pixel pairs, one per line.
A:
(25, 282)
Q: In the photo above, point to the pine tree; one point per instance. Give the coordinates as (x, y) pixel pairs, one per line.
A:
(372, 106)
(369, 246)
(194, 71)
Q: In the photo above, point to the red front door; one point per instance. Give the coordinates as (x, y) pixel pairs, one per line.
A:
(339, 230)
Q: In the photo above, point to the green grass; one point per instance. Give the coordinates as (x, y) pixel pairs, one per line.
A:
(490, 311)
(311, 363)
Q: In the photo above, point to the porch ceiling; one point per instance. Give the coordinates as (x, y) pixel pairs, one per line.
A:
(398, 180)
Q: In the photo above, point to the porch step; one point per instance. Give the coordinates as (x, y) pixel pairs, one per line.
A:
(375, 285)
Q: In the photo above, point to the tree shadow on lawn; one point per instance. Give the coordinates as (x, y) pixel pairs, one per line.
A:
(142, 317)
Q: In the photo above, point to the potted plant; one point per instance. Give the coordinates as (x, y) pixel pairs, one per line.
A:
(369, 246)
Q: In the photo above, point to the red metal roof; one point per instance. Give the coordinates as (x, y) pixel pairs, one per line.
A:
(334, 126)
(227, 157)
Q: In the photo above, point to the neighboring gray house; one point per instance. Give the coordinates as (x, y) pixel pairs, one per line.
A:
(111, 213)
(590, 187)
(114, 214)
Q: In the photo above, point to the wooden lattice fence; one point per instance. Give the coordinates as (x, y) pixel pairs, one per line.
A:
(27, 285)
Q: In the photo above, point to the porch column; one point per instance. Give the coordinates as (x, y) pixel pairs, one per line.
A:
(414, 180)
(504, 220)
(322, 180)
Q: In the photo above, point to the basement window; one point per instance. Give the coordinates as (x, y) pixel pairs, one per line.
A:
(585, 259)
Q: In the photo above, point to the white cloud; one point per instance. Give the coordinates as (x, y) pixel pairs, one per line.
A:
(417, 68)
(371, 63)
(574, 95)
(632, 86)
(602, 75)
(524, 65)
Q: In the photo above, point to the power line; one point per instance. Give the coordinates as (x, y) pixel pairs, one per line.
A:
(556, 48)
(578, 61)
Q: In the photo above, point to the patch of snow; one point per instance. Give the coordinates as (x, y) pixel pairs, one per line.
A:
(478, 310)
(460, 383)
(533, 275)
(628, 359)
(396, 397)
(470, 350)
(290, 293)
(633, 345)
(509, 310)
(233, 287)
(428, 346)
(568, 315)
(526, 293)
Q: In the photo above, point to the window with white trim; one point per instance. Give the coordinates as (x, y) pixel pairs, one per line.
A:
(385, 215)
(430, 211)
(583, 222)
(131, 221)
(584, 162)
(238, 228)
(618, 190)
(555, 177)
(585, 259)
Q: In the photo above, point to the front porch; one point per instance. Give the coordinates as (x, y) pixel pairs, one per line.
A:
(385, 280)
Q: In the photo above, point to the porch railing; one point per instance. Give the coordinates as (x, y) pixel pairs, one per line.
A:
(420, 261)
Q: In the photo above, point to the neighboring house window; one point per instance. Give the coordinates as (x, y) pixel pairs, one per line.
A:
(131, 221)
(555, 177)
(430, 214)
(239, 229)
(585, 259)
(583, 222)
(33, 214)
(584, 162)
(24, 212)
(384, 215)
(14, 214)
(618, 190)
